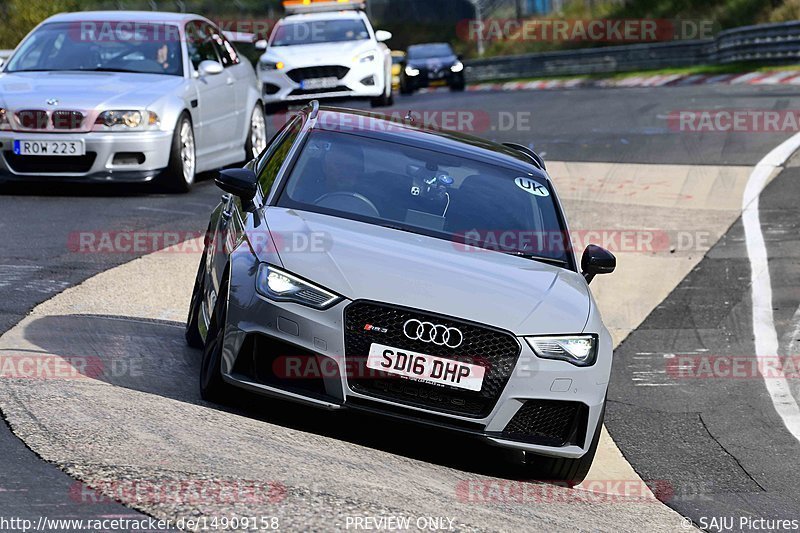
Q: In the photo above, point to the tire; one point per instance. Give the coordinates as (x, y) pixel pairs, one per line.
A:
(212, 387)
(192, 332)
(256, 134)
(572, 471)
(386, 99)
(180, 174)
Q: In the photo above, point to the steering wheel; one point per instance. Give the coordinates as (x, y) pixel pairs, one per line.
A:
(352, 202)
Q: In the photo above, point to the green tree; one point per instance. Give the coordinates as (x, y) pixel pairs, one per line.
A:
(21, 16)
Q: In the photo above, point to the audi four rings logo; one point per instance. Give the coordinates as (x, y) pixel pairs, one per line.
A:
(417, 330)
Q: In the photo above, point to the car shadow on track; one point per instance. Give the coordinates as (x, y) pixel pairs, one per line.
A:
(151, 356)
(89, 189)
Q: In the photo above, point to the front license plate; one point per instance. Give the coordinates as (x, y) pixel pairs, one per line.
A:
(319, 83)
(427, 368)
(57, 148)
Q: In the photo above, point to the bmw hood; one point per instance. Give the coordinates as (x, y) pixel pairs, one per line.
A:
(365, 261)
(85, 91)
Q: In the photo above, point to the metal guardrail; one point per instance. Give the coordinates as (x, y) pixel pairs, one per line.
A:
(773, 43)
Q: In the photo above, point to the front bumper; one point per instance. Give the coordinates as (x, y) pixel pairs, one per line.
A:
(289, 351)
(117, 156)
(360, 81)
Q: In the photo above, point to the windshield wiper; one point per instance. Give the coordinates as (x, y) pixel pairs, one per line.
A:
(534, 257)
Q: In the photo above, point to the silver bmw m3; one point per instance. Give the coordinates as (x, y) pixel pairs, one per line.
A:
(127, 96)
(361, 263)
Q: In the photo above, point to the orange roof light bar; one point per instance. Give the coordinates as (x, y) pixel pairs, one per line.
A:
(319, 6)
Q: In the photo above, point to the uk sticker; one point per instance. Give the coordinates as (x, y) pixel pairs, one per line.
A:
(531, 186)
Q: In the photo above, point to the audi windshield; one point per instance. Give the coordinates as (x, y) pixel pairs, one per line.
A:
(427, 192)
(117, 46)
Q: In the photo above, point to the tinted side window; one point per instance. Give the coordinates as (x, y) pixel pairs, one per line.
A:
(200, 43)
(226, 51)
(276, 153)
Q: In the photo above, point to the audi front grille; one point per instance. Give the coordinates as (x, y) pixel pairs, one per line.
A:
(495, 350)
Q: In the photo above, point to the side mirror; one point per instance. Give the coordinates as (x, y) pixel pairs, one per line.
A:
(597, 260)
(382, 35)
(261, 44)
(240, 182)
(210, 68)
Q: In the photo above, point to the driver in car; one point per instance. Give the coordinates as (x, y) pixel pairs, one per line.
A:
(341, 170)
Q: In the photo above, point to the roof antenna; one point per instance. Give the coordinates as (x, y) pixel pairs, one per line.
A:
(409, 118)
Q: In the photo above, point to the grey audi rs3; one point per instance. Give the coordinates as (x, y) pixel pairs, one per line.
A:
(372, 264)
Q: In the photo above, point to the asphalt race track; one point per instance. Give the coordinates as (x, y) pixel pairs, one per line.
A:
(716, 442)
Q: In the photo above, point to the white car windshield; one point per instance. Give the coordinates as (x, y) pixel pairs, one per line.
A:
(472, 203)
(320, 31)
(116, 46)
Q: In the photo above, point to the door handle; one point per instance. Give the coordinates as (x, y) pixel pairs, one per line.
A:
(231, 81)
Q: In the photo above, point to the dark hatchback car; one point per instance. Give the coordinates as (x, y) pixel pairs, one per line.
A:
(431, 64)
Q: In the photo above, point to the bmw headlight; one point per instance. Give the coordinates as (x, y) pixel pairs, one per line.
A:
(411, 71)
(126, 120)
(580, 350)
(277, 284)
(457, 67)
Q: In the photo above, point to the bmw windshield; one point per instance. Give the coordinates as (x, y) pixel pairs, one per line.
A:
(139, 47)
(474, 204)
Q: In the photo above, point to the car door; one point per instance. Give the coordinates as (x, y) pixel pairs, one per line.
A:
(243, 79)
(216, 96)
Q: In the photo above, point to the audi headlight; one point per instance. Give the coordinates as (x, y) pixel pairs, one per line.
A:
(580, 350)
(458, 67)
(126, 120)
(4, 123)
(277, 284)
(411, 71)
(271, 65)
(367, 57)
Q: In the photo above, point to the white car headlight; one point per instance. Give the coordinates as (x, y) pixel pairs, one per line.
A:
(4, 123)
(367, 57)
(277, 284)
(580, 350)
(457, 67)
(126, 120)
(411, 71)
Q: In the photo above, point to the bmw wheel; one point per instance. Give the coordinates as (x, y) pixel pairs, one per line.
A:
(180, 173)
(257, 136)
